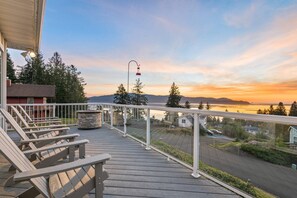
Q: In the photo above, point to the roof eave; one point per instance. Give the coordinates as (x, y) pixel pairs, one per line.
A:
(40, 10)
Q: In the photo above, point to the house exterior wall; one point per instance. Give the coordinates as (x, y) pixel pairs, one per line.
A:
(38, 112)
(293, 135)
(184, 122)
(23, 100)
(188, 123)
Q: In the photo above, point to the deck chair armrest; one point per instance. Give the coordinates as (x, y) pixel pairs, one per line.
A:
(61, 137)
(43, 127)
(45, 148)
(26, 175)
(47, 130)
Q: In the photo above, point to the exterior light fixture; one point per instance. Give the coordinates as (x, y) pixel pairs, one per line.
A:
(32, 54)
(137, 73)
(28, 53)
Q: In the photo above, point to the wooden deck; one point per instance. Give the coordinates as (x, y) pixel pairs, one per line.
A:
(134, 171)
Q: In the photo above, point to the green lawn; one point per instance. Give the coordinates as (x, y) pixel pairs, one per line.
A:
(69, 120)
(274, 155)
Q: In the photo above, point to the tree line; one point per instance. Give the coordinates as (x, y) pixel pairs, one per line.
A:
(137, 97)
(175, 97)
(66, 78)
(280, 110)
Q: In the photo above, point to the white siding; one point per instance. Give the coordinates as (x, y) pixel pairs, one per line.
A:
(293, 135)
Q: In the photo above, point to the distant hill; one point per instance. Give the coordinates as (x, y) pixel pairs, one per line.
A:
(163, 99)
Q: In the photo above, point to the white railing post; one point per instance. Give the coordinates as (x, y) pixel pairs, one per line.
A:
(196, 147)
(45, 112)
(111, 117)
(125, 121)
(102, 114)
(54, 110)
(148, 130)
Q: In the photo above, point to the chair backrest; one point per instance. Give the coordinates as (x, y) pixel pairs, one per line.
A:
(20, 116)
(22, 110)
(17, 158)
(16, 127)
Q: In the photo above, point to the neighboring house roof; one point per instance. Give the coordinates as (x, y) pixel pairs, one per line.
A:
(29, 90)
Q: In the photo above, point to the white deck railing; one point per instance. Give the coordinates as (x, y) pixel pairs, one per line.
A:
(150, 135)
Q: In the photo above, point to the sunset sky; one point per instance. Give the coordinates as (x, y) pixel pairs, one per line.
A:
(243, 50)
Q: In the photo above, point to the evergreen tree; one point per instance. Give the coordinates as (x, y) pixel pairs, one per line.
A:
(121, 96)
(137, 97)
(10, 69)
(207, 106)
(174, 96)
(187, 105)
(201, 106)
(69, 84)
(74, 85)
(34, 71)
(260, 111)
(271, 110)
(280, 109)
(293, 109)
(56, 70)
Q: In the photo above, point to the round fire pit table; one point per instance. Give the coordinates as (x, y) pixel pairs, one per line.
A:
(89, 119)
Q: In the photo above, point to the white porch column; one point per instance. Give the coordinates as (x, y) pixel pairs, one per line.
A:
(3, 71)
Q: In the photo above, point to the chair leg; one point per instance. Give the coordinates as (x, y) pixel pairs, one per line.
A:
(71, 153)
(99, 180)
(82, 151)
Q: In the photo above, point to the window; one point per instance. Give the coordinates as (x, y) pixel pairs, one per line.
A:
(295, 140)
(183, 121)
(30, 100)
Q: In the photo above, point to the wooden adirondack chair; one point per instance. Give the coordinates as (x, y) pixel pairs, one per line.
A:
(40, 152)
(74, 179)
(33, 125)
(52, 120)
(38, 146)
(34, 133)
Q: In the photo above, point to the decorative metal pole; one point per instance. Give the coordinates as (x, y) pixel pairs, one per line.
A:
(137, 73)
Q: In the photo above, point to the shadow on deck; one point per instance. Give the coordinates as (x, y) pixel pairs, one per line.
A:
(134, 171)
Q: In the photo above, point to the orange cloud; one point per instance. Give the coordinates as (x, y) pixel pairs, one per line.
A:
(252, 92)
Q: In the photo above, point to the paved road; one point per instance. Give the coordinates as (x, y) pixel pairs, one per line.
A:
(278, 180)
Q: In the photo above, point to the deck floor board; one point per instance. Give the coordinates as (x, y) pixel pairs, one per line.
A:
(134, 171)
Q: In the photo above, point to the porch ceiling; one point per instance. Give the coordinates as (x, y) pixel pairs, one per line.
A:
(21, 23)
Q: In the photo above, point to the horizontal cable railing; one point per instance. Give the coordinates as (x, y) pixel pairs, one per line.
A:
(245, 151)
